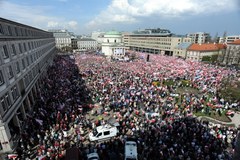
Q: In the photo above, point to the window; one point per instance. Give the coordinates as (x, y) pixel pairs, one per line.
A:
(13, 50)
(1, 29)
(1, 78)
(23, 64)
(16, 31)
(17, 67)
(99, 134)
(21, 32)
(30, 75)
(25, 47)
(5, 52)
(7, 100)
(9, 30)
(20, 47)
(31, 58)
(26, 80)
(28, 61)
(4, 106)
(106, 133)
(14, 92)
(29, 45)
(10, 72)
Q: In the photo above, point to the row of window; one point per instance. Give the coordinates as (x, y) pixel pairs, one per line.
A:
(12, 30)
(25, 62)
(150, 42)
(86, 42)
(151, 38)
(6, 102)
(22, 47)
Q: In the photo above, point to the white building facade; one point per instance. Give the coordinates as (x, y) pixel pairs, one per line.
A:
(63, 38)
(87, 44)
(229, 39)
(112, 44)
(199, 37)
(232, 54)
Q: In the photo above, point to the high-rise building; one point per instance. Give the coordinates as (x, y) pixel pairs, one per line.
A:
(25, 54)
(199, 37)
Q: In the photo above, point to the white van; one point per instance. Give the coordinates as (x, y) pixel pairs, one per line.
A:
(103, 132)
(130, 150)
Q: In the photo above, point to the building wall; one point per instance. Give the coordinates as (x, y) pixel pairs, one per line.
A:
(112, 44)
(198, 55)
(232, 55)
(63, 38)
(199, 37)
(152, 43)
(229, 39)
(25, 53)
(87, 45)
(178, 52)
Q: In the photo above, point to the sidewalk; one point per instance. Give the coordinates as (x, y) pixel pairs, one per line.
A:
(216, 121)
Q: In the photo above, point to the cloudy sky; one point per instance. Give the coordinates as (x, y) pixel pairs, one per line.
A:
(85, 16)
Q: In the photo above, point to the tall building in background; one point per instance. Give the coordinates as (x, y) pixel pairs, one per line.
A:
(158, 41)
(97, 35)
(229, 39)
(63, 39)
(199, 37)
(25, 54)
(87, 44)
(113, 45)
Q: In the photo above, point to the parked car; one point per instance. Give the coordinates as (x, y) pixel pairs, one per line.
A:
(130, 150)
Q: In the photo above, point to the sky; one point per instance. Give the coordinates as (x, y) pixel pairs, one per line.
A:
(85, 16)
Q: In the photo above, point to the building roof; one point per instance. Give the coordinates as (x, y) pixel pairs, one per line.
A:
(237, 42)
(113, 33)
(86, 39)
(206, 47)
(184, 45)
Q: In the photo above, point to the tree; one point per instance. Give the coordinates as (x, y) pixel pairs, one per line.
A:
(215, 39)
(206, 58)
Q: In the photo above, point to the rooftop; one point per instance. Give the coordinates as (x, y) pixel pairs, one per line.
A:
(86, 39)
(184, 45)
(237, 42)
(158, 31)
(206, 47)
(113, 33)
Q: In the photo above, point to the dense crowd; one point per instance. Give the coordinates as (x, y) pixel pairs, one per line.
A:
(128, 91)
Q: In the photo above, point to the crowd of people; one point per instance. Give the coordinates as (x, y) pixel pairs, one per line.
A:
(130, 92)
